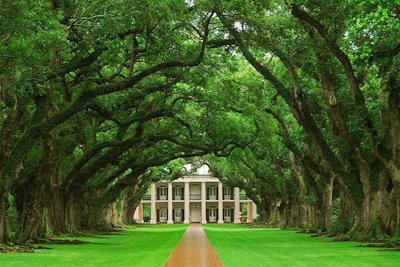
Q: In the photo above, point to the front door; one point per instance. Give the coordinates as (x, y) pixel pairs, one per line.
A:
(178, 215)
(195, 214)
(227, 215)
(212, 215)
(163, 215)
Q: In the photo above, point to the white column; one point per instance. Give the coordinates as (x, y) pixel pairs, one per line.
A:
(249, 212)
(220, 203)
(140, 213)
(170, 220)
(153, 217)
(254, 210)
(203, 202)
(187, 211)
(136, 214)
(237, 205)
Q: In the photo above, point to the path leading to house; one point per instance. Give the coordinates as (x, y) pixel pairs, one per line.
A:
(194, 250)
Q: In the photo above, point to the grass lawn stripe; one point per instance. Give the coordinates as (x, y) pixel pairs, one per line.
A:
(145, 246)
(239, 246)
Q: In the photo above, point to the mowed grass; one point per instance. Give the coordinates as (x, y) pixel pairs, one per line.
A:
(240, 246)
(145, 246)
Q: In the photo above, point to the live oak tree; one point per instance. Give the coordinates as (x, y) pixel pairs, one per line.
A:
(62, 137)
(330, 80)
(297, 101)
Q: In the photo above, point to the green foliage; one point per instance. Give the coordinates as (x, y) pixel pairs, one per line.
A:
(12, 217)
(111, 95)
(395, 240)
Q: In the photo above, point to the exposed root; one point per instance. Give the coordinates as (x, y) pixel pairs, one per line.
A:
(61, 242)
(16, 249)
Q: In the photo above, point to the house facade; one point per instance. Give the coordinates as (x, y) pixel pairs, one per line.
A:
(199, 198)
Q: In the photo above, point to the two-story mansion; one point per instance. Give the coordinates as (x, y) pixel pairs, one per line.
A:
(195, 198)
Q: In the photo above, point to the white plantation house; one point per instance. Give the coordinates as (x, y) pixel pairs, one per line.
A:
(197, 197)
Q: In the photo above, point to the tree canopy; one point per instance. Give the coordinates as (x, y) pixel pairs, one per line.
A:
(296, 102)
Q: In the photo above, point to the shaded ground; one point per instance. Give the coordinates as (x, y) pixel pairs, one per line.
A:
(145, 246)
(194, 250)
(240, 246)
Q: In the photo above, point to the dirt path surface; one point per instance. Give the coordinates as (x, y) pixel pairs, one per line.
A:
(194, 250)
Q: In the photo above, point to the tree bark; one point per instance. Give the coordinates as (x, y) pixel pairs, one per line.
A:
(3, 206)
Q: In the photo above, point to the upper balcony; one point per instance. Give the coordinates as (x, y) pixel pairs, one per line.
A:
(174, 197)
(195, 193)
(195, 196)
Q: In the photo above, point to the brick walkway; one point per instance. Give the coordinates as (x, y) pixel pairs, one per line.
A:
(194, 250)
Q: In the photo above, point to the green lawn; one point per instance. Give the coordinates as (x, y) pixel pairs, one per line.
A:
(240, 246)
(144, 246)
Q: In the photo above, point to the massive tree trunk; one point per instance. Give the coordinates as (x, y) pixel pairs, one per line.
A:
(55, 211)
(32, 213)
(33, 195)
(3, 207)
(7, 135)
(128, 211)
(327, 207)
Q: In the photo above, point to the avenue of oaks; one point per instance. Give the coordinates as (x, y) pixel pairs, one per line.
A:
(297, 102)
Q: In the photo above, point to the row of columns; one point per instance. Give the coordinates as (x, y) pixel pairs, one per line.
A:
(153, 215)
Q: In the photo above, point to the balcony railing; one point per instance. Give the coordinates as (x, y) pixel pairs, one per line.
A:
(162, 197)
(178, 197)
(195, 196)
(228, 197)
(212, 197)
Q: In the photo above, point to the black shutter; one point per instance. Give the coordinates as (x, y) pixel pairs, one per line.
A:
(216, 191)
(207, 215)
(182, 193)
(158, 194)
(158, 216)
(208, 192)
(183, 214)
(232, 215)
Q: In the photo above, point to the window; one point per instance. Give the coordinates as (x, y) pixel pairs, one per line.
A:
(227, 213)
(178, 213)
(213, 212)
(163, 213)
(177, 191)
(212, 190)
(163, 191)
(227, 191)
